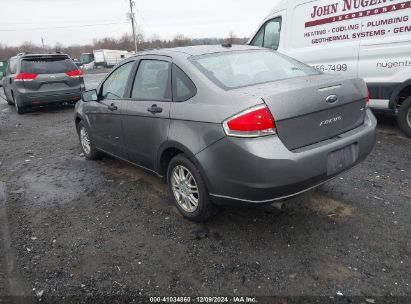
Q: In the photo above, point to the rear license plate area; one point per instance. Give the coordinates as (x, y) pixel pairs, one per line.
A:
(341, 159)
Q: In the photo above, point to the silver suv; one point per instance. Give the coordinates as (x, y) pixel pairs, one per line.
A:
(38, 79)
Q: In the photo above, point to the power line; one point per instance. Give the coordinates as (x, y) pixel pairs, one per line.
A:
(57, 21)
(118, 29)
(60, 27)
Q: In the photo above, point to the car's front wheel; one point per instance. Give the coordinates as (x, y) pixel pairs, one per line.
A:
(87, 145)
(404, 116)
(188, 190)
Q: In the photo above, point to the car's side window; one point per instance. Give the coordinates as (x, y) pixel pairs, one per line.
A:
(114, 86)
(8, 68)
(272, 34)
(269, 35)
(12, 67)
(259, 38)
(152, 81)
(183, 86)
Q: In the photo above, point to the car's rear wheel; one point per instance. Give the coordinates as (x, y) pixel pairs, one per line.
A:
(86, 143)
(188, 190)
(404, 117)
(19, 108)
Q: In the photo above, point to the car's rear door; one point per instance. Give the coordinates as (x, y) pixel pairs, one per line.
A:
(104, 116)
(146, 114)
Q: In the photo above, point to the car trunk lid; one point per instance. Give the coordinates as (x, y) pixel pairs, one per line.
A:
(312, 109)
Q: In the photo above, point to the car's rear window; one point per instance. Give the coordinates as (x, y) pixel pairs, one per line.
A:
(231, 70)
(47, 65)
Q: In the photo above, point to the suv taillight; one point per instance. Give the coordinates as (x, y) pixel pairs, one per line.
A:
(254, 122)
(25, 77)
(75, 73)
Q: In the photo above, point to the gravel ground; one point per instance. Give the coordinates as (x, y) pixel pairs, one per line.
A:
(72, 227)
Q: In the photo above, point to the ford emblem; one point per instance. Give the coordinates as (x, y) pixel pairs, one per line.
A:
(332, 99)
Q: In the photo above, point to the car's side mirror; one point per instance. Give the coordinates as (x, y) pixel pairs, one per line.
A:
(90, 95)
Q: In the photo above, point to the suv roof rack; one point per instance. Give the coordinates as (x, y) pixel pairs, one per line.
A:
(41, 52)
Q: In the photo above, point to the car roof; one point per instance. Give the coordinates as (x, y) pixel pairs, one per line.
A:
(198, 50)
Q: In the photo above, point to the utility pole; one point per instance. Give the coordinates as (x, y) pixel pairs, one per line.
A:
(42, 42)
(132, 24)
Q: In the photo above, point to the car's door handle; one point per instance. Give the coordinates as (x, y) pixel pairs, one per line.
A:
(112, 107)
(154, 109)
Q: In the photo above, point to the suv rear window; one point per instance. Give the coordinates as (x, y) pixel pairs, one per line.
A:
(47, 65)
(230, 70)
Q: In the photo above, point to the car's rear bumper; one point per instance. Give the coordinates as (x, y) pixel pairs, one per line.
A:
(263, 170)
(27, 99)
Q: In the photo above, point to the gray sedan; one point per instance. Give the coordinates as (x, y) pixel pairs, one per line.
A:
(227, 124)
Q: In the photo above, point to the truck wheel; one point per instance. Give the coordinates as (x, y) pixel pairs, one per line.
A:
(404, 117)
(19, 108)
(188, 190)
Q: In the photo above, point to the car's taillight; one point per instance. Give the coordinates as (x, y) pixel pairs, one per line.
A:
(75, 73)
(254, 122)
(25, 77)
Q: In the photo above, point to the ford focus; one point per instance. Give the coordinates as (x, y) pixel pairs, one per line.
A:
(227, 124)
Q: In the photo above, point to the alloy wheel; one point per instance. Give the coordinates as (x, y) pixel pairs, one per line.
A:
(85, 141)
(185, 188)
(15, 103)
(409, 117)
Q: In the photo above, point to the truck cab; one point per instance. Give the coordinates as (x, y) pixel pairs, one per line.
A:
(87, 61)
(368, 39)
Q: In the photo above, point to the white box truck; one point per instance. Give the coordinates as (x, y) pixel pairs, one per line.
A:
(109, 58)
(367, 38)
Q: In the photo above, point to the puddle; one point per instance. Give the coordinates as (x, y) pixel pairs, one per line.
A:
(326, 205)
(337, 273)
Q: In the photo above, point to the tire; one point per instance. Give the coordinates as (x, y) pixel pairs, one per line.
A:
(199, 210)
(404, 117)
(90, 151)
(19, 108)
(9, 102)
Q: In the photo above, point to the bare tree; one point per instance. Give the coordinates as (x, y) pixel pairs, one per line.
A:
(180, 40)
(58, 47)
(231, 37)
(125, 42)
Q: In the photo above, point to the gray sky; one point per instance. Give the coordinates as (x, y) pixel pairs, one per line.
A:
(69, 21)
